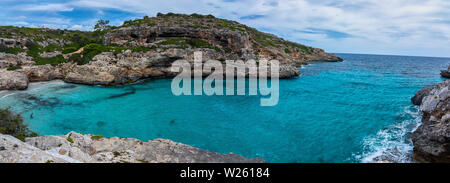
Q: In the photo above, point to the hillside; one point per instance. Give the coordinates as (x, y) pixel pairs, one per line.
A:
(138, 49)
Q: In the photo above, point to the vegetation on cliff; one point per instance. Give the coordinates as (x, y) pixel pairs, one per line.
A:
(13, 124)
(36, 42)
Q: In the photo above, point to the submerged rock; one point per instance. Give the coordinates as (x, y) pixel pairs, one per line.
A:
(76, 147)
(432, 138)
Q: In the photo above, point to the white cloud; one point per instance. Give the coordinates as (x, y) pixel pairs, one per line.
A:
(81, 27)
(413, 27)
(48, 7)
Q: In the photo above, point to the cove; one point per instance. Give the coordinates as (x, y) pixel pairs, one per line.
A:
(351, 111)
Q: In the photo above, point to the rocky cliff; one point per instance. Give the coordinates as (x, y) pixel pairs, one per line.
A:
(432, 138)
(80, 148)
(139, 49)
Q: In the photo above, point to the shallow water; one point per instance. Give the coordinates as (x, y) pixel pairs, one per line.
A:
(351, 111)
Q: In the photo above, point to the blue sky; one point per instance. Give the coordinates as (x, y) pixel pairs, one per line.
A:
(400, 27)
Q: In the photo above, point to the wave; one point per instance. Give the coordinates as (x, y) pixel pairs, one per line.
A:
(392, 144)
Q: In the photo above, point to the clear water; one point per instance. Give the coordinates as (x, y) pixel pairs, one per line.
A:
(351, 111)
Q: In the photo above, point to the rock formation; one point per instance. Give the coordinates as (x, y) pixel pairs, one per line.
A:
(446, 73)
(80, 148)
(142, 48)
(12, 80)
(432, 138)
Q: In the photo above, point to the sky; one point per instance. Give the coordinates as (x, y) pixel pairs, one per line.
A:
(394, 27)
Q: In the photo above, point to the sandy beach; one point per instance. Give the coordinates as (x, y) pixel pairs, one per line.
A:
(31, 86)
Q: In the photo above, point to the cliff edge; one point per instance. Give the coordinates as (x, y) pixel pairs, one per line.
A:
(139, 49)
(80, 148)
(432, 138)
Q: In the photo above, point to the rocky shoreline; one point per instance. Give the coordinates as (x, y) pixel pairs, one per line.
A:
(432, 139)
(140, 49)
(80, 148)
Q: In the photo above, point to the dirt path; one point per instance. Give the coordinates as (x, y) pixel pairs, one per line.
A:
(66, 56)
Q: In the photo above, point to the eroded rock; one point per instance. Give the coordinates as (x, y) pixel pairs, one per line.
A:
(12, 80)
(76, 147)
(432, 138)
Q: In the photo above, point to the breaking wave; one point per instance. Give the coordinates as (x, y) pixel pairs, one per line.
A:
(392, 144)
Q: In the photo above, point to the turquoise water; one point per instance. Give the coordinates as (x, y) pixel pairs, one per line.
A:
(334, 112)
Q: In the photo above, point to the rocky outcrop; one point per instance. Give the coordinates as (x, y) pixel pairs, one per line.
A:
(128, 67)
(418, 97)
(432, 138)
(80, 148)
(12, 80)
(446, 73)
(42, 72)
(14, 42)
(8, 60)
(153, 45)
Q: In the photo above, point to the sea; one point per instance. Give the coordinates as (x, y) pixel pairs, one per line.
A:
(358, 110)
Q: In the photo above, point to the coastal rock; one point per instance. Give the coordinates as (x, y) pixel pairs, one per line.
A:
(42, 73)
(418, 97)
(13, 80)
(76, 148)
(13, 150)
(446, 73)
(21, 59)
(432, 138)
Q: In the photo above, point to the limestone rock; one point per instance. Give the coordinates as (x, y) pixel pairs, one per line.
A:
(79, 148)
(12, 80)
(418, 97)
(446, 73)
(13, 150)
(7, 60)
(42, 72)
(432, 138)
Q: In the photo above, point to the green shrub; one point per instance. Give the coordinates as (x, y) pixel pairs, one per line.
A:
(286, 50)
(11, 50)
(15, 67)
(69, 139)
(49, 161)
(97, 137)
(52, 60)
(70, 49)
(140, 49)
(185, 42)
(116, 153)
(76, 58)
(12, 124)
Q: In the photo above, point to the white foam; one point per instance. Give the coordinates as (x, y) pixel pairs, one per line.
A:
(392, 144)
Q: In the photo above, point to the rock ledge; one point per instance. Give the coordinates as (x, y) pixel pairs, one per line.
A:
(79, 148)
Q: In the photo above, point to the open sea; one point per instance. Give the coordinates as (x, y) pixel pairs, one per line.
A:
(351, 111)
